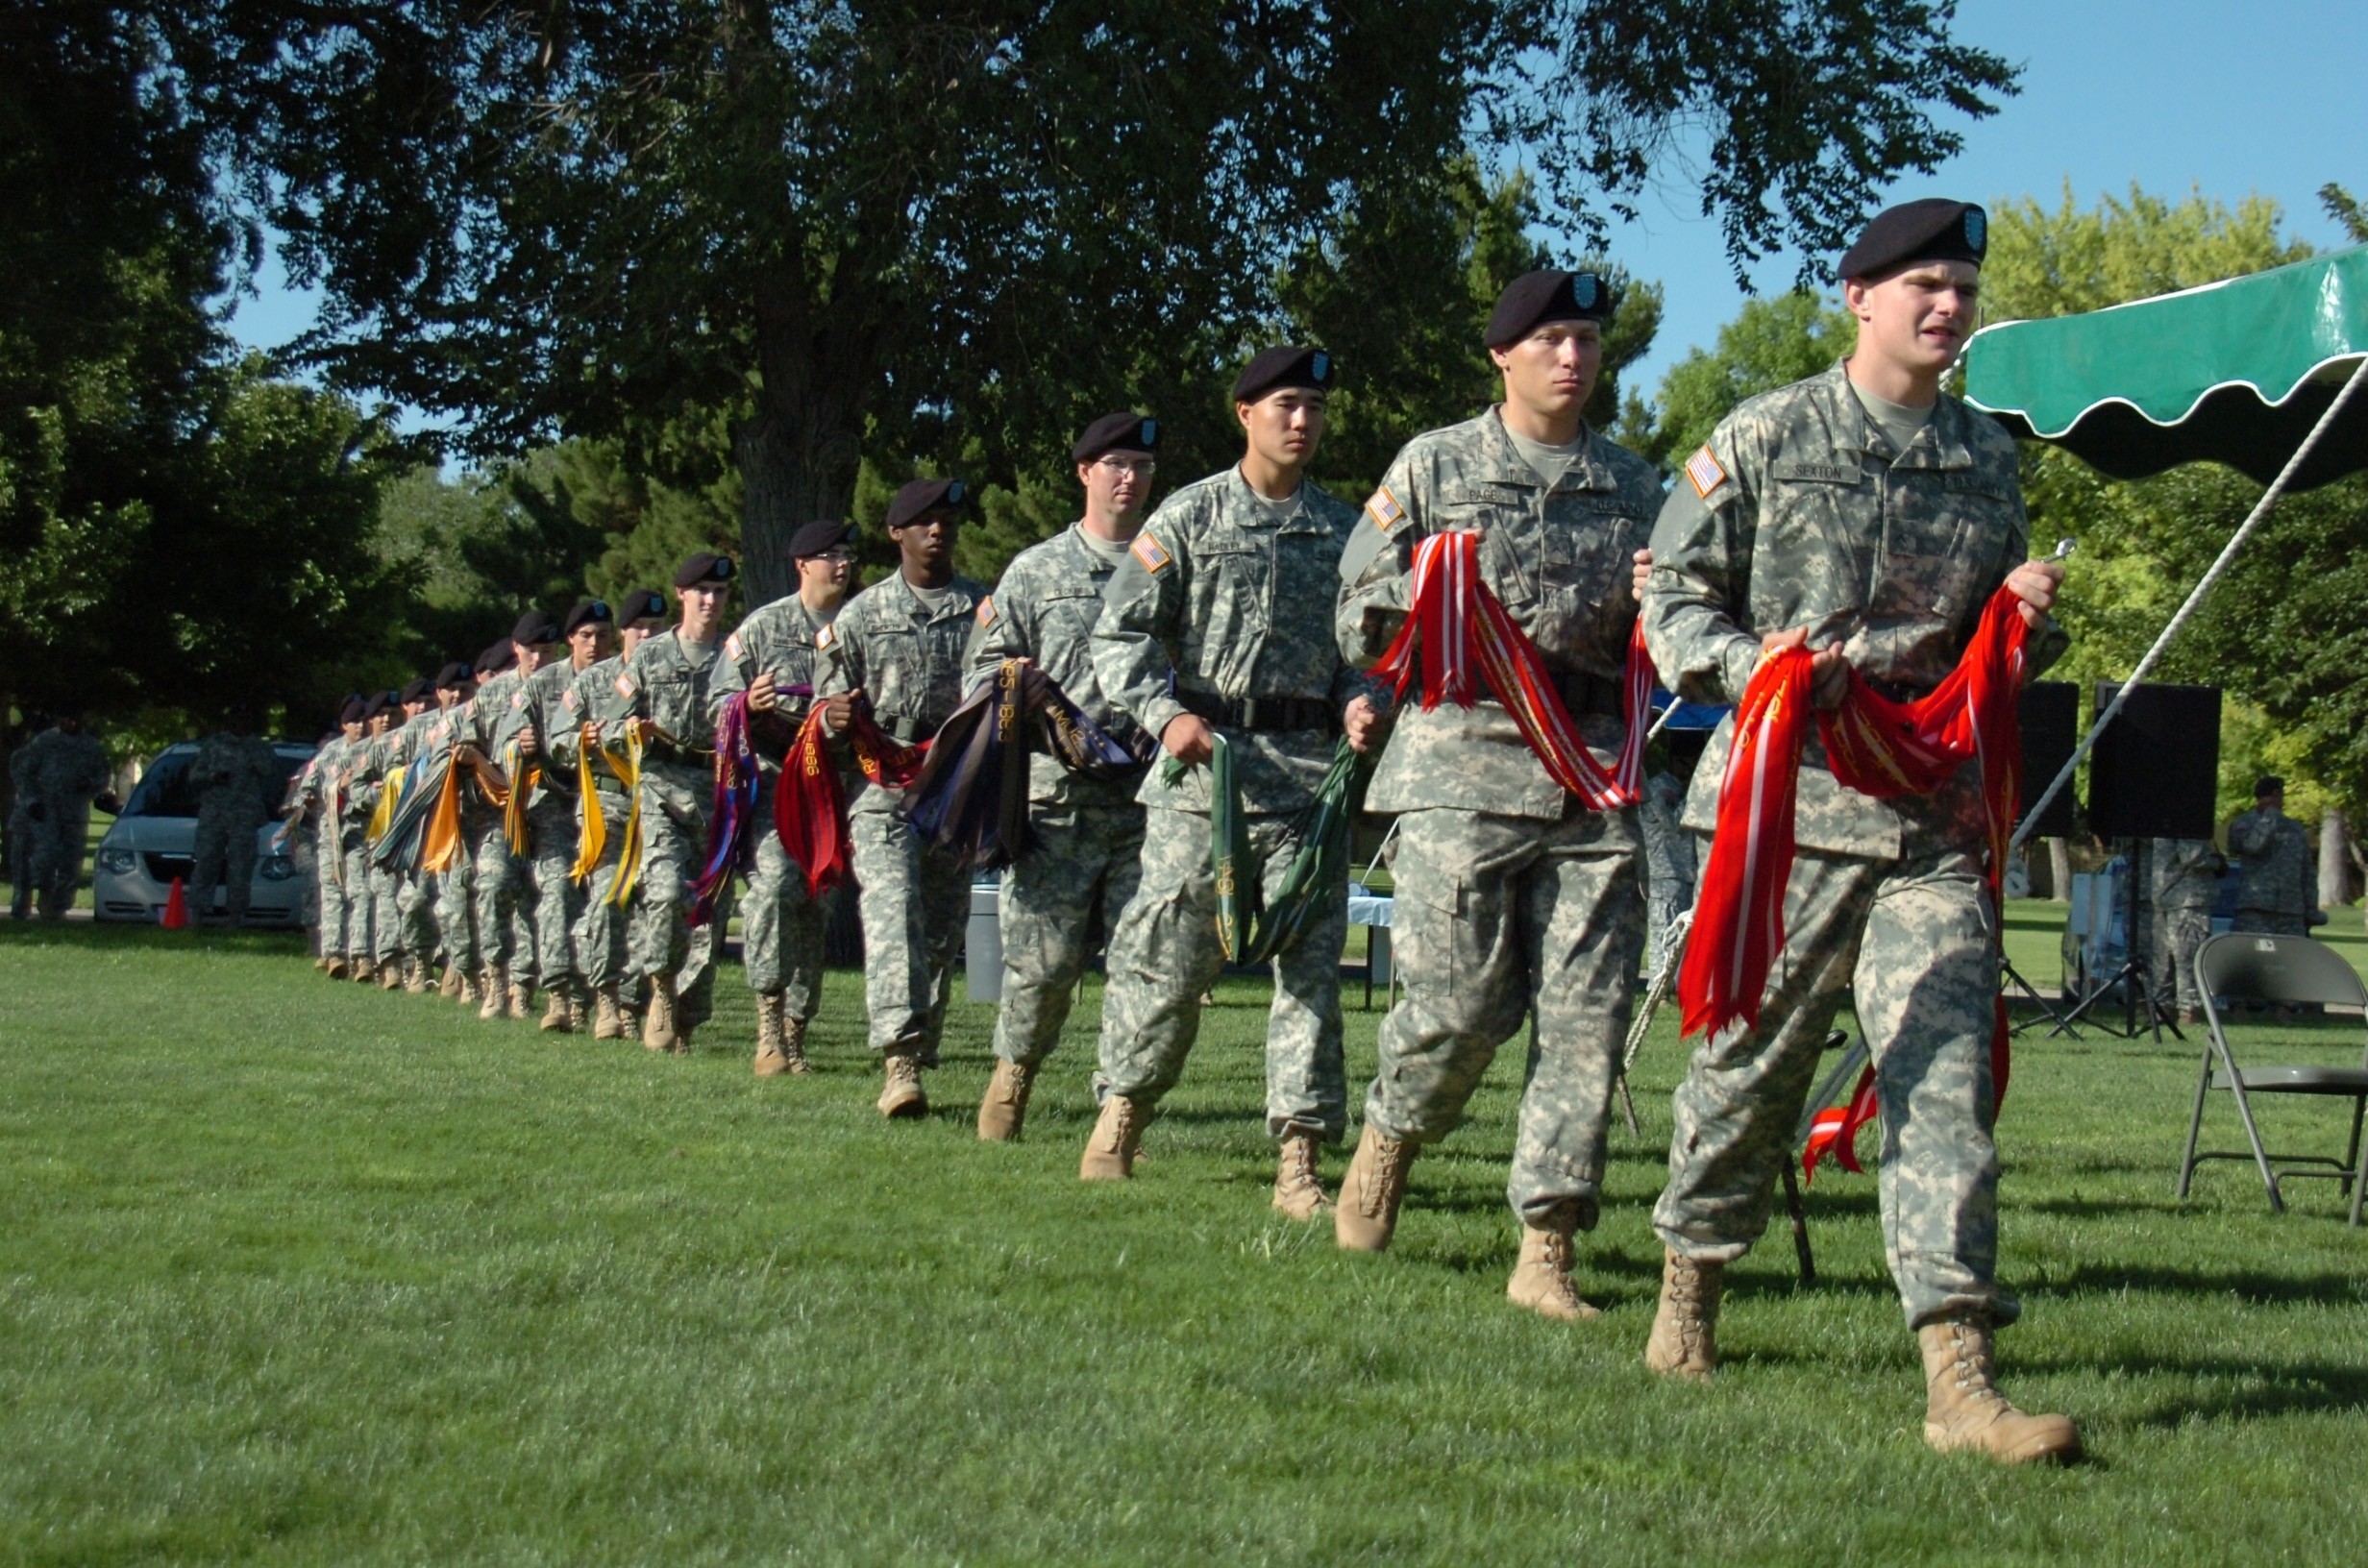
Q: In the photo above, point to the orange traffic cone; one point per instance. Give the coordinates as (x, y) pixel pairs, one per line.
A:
(175, 908)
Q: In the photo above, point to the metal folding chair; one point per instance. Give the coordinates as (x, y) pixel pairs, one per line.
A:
(2243, 966)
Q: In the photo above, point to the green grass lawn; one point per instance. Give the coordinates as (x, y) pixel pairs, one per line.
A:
(304, 1272)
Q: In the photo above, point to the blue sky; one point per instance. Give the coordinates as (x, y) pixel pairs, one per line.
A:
(2227, 99)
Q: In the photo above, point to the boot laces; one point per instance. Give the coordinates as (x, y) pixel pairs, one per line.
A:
(1298, 1164)
(1388, 1160)
(1119, 1114)
(1969, 1374)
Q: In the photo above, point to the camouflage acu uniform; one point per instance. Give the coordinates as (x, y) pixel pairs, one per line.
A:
(666, 680)
(1800, 513)
(1222, 605)
(780, 927)
(1668, 863)
(56, 775)
(425, 736)
(539, 700)
(455, 886)
(2178, 879)
(913, 898)
(238, 779)
(595, 698)
(1088, 832)
(309, 800)
(372, 917)
(2278, 887)
(1513, 899)
(497, 928)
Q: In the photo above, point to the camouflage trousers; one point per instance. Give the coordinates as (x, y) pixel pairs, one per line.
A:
(1164, 955)
(2169, 938)
(386, 913)
(551, 823)
(1085, 860)
(361, 903)
(1497, 919)
(1913, 940)
(913, 900)
(415, 908)
(336, 897)
(780, 927)
(1664, 903)
(45, 855)
(659, 936)
(456, 912)
(225, 859)
(496, 880)
(601, 925)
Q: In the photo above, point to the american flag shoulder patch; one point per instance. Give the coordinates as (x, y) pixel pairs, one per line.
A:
(1703, 472)
(1150, 553)
(568, 700)
(731, 646)
(626, 687)
(1385, 511)
(517, 700)
(986, 610)
(826, 639)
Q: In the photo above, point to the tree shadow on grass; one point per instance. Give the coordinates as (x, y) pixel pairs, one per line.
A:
(2251, 1286)
(2245, 1390)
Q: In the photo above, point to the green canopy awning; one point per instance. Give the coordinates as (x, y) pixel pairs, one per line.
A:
(2234, 372)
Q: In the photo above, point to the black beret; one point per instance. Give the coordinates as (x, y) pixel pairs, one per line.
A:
(535, 627)
(422, 690)
(925, 496)
(452, 675)
(1536, 297)
(2268, 784)
(587, 612)
(1931, 229)
(378, 702)
(354, 712)
(641, 604)
(1271, 370)
(497, 658)
(1117, 433)
(704, 565)
(819, 539)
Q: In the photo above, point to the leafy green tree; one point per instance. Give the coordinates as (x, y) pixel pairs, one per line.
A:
(950, 234)
(2345, 209)
(1772, 342)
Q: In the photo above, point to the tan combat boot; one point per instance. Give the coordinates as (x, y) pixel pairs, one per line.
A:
(390, 975)
(450, 987)
(1004, 1110)
(772, 1056)
(1963, 1408)
(900, 1093)
(1110, 1153)
(495, 984)
(1372, 1192)
(792, 1045)
(521, 999)
(574, 1008)
(415, 979)
(608, 1017)
(363, 971)
(334, 967)
(1542, 1280)
(1684, 1338)
(658, 1030)
(1298, 1192)
(322, 962)
(556, 1017)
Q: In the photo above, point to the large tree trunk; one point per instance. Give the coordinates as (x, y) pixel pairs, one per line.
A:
(2334, 873)
(2059, 868)
(799, 446)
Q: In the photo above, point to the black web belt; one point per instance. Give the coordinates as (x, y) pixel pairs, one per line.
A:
(1263, 715)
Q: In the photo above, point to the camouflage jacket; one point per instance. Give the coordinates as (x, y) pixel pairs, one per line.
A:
(666, 681)
(776, 638)
(1558, 558)
(1044, 610)
(1221, 596)
(237, 779)
(906, 658)
(534, 699)
(2181, 874)
(593, 696)
(59, 772)
(1799, 513)
(2275, 874)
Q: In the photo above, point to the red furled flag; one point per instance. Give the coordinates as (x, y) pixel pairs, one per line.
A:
(1456, 626)
(810, 810)
(1877, 747)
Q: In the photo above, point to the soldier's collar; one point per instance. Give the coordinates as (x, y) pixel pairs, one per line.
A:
(1940, 444)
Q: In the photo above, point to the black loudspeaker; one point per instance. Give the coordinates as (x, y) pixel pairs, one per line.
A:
(2155, 772)
(2050, 712)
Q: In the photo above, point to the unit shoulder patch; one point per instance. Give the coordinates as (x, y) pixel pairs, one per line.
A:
(1150, 553)
(1384, 509)
(1703, 472)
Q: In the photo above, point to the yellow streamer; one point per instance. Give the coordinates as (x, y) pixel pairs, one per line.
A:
(629, 855)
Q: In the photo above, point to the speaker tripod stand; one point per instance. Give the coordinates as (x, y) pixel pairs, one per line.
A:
(2134, 976)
